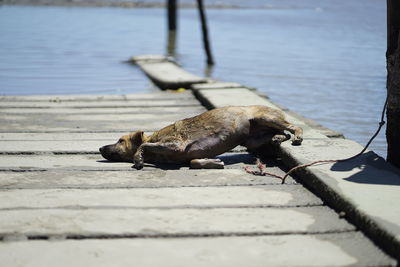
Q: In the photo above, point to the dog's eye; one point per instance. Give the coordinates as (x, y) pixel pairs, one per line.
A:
(121, 140)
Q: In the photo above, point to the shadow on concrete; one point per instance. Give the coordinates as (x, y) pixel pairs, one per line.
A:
(231, 159)
(228, 159)
(162, 166)
(105, 161)
(372, 170)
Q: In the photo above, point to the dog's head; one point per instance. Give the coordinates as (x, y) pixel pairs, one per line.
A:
(124, 149)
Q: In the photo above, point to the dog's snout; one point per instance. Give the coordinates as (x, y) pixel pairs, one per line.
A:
(101, 149)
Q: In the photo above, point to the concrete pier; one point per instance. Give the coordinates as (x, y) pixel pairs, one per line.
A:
(62, 204)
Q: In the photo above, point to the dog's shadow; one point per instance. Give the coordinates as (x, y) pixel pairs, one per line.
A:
(229, 159)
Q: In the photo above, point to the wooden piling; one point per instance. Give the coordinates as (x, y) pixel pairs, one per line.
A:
(172, 26)
(393, 82)
(206, 42)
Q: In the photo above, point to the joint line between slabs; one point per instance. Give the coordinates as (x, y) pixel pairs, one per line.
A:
(61, 237)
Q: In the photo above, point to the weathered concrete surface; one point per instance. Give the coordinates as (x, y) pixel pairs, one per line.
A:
(170, 222)
(95, 114)
(365, 188)
(216, 85)
(130, 103)
(97, 98)
(88, 122)
(55, 185)
(203, 197)
(62, 143)
(130, 178)
(166, 73)
(115, 111)
(92, 162)
(281, 250)
(219, 85)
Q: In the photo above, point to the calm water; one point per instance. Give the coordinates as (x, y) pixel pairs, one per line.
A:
(323, 59)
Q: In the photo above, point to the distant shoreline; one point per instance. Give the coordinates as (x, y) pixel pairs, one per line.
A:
(106, 3)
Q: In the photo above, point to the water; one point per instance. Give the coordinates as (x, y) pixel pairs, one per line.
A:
(323, 59)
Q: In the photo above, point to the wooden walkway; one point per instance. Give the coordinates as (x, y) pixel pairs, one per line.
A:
(61, 204)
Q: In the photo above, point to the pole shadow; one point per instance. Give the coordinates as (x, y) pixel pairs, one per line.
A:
(372, 170)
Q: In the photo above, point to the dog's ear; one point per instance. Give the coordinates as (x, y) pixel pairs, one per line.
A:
(137, 138)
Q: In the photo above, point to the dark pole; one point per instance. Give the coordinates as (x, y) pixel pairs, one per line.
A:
(393, 82)
(210, 60)
(171, 6)
(172, 25)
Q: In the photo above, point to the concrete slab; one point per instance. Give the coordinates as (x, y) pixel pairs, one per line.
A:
(150, 58)
(82, 196)
(53, 146)
(35, 162)
(99, 104)
(90, 98)
(170, 222)
(116, 111)
(217, 85)
(96, 161)
(62, 143)
(84, 123)
(136, 179)
(366, 187)
(165, 73)
(200, 197)
(101, 117)
(84, 136)
(283, 250)
(233, 97)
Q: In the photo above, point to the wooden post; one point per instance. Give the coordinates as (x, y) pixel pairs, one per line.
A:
(210, 60)
(393, 82)
(172, 25)
(171, 7)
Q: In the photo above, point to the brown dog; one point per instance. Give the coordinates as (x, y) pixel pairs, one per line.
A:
(205, 136)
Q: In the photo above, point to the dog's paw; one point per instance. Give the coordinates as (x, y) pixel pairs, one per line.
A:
(279, 138)
(137, 166)
(297, 141)
(138, 163)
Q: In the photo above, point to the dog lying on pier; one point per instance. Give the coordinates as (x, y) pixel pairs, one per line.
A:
(198, 139)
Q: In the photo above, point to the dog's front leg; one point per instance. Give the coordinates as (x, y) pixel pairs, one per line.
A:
(154, 148)
(138, 159)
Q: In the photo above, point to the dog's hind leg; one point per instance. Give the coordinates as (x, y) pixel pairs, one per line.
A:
(298, 133)
(255, 142)
(279, 123)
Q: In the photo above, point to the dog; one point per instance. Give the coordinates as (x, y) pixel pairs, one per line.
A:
(198, 139)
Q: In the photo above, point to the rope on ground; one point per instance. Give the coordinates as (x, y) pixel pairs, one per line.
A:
(262, 169)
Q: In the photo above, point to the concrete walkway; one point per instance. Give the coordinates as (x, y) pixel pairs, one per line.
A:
(61, 204)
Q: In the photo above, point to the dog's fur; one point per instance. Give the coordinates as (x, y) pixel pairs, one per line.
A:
(205, 136)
